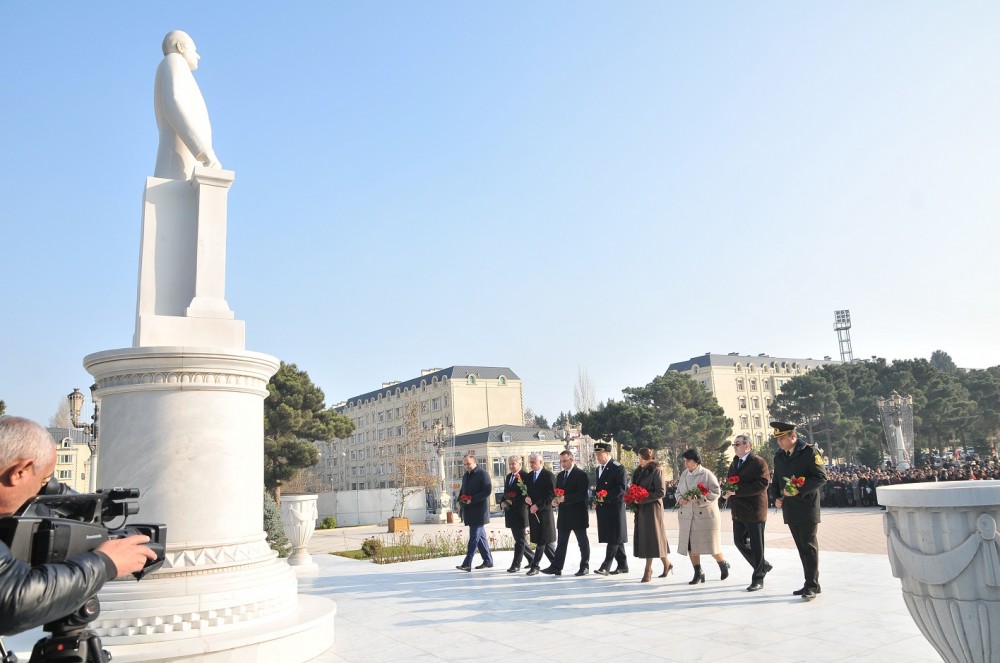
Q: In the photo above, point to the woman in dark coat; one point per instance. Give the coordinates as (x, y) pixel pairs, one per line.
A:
(650, 530)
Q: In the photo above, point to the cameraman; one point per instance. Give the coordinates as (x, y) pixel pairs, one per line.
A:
(32, 596)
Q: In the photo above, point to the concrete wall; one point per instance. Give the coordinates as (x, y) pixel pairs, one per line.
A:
(369, 507)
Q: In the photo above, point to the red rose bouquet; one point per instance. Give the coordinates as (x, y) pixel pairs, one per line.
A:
(792, 484)
(465, 499)
(600, 495)
(693, 494)
(560, 494)
(634, 496)
(729, 485)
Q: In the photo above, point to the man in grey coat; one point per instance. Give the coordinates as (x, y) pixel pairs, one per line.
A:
(475, 496)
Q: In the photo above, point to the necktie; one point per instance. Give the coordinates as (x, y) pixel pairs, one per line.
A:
(536, 475)
(512, 479)
(565, 475)
(739, 463)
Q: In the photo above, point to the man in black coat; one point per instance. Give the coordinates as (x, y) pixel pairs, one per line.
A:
(799, 504)
(611, 524)
(32, 595)
(748, 504)
(574, 516)
(475, 495)
(541, 522)
(515, 511)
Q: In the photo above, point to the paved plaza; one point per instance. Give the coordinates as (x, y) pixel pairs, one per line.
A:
(428, 611)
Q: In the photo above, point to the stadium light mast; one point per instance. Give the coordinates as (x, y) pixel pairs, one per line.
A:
(842, 325)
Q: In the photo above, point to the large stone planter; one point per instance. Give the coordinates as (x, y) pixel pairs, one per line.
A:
(298, 515)
(943, 547)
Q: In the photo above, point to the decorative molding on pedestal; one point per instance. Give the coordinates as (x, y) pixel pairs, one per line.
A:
(218, 557)
(943, 547)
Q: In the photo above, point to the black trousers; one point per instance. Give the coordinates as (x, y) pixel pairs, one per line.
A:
(563, 544)
(616, 552)
(546, 550)
(749, 540)
(805, 540)
(521, 547)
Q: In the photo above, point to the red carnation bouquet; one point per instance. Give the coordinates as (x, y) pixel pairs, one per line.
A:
(792, 484)
(634, 496)
(729, 485)
(600, 495)
(693, 494)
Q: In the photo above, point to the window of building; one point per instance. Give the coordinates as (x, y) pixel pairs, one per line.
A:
(471, 379)
(499, 467)
(753, 384)
(756, 421)
(505, 437)
(739, 384)
(436, 404)
(423, 408)
(381, 433)
(766, 384)
(767, 402)
(743, 402)
(759, 439)
(65, 474)
(399, 412)
(426, 425)
(756, 403)
(354, 455)
(381, 417)
(399, 431)
(446, 400)
(65, 458)
(502, 381)
(67, 443)
(541, 436)
(744, 421)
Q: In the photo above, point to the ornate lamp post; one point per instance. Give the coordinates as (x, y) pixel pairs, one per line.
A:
(75, 407)
(441, 444)
(896, 413)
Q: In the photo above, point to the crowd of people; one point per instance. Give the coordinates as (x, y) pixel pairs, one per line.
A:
(857, 485)
(545, 509)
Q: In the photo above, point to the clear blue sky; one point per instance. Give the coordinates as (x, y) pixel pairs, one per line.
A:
(543, 186)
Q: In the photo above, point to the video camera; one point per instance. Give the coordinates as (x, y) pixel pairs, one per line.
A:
(60, 524)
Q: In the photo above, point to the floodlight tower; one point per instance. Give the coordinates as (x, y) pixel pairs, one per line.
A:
(842, 325)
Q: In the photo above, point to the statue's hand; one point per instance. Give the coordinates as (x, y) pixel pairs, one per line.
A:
(208, 159)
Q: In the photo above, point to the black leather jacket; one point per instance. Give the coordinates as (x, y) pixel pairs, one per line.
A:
(32, 596)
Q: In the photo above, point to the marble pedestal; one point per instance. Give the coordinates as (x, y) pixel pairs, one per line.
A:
(943, 547)
(184, 425)
(298, 516)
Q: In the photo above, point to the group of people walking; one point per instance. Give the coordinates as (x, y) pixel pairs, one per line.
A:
(546, 509)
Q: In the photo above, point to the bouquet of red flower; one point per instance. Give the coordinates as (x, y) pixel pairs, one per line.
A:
(696, 493)
(560, 494)
(792, 484)
(634, 496)
(600, 495)
(465, 499)
(729, 485)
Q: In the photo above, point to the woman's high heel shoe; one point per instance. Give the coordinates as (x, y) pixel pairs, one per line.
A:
(667, 567)
(699, 575)
(724, 569)
(648, 573)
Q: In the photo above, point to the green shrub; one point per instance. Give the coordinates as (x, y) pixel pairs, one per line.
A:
(371, 546)
(328, 523)
(273, 528)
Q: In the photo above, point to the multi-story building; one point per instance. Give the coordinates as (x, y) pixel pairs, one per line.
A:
(72, 458)
(445, 402)
(745, 385)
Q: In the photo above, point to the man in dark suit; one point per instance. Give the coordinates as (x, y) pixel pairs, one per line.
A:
(574, 516)
(515, 511)
(541, 523)
(611, 524)
(800, 506)
(748, 504)
(475, 495)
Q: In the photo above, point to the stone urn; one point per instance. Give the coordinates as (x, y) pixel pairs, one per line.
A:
(944, 549)
(298, 515)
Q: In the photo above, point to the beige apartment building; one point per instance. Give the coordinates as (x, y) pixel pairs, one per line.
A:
(449, 402)
(745, 385)
(72, 458)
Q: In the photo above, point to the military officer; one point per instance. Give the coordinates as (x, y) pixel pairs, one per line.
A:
(611, 524)
(798, 476)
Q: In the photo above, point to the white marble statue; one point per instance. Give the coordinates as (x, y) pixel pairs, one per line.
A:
(181, 113)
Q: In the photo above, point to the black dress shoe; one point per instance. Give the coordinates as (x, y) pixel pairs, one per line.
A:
(552, 572)
(602, 572)
(621, 570)
(801, 592)
(514, 569)
(767, 568)
(462, 567)
(808, 594)
(532, 571)
(584, 570)
(755, 587)
(484, 565)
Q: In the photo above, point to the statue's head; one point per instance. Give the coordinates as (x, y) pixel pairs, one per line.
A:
(178, 41)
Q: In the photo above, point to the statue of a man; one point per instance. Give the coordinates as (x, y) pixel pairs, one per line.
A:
(181, 114)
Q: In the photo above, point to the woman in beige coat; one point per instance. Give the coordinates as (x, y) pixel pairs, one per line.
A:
(700, 524)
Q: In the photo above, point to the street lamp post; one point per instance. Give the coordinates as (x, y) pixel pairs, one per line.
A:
(75, 407)
(444, 501)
